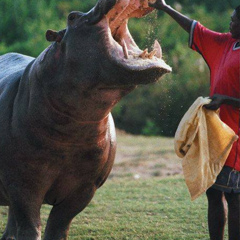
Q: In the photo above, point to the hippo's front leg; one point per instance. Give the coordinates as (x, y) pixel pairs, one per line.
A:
(28, 222)
(62, 214)
(10, 232)
(25, 210)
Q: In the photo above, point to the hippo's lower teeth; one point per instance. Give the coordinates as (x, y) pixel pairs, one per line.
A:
(144, 54)
(152, 54)
(118, 20)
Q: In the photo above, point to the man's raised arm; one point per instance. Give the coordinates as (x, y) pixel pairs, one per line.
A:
(181, 19)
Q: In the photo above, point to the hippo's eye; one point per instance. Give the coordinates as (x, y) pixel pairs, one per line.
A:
(72, 16)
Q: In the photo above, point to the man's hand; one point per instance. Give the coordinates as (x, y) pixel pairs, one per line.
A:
(158, 4)
(217, 101)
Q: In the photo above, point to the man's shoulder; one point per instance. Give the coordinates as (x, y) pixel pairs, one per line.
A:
(209, 35)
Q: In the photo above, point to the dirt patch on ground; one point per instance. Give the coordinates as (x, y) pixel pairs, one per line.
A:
(144, 157)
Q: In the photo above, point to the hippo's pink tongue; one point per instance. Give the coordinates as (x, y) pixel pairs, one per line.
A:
(125, 9)
(118, 19)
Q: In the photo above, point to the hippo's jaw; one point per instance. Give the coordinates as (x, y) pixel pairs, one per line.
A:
(122, 47)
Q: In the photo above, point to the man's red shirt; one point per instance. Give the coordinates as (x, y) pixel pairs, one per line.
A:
(222, 55)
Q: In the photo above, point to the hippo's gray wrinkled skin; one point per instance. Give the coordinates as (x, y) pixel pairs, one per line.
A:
(57, 142)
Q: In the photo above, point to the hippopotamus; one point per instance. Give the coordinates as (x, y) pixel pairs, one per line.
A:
(58, 138)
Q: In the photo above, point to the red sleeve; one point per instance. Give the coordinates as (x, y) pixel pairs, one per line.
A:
(208, 43)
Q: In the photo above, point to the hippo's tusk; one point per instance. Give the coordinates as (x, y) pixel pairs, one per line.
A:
(158, 48)
(125, 49)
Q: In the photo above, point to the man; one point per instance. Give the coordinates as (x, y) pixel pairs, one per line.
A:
(221, 52)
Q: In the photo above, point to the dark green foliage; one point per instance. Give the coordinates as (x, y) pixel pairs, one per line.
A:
(150, 110)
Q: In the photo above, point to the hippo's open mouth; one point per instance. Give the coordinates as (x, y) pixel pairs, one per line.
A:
(126, 50)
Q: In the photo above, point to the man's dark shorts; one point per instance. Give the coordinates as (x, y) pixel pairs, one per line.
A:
(228, 180)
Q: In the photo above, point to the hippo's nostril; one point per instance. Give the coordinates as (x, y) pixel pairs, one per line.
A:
(74, 15)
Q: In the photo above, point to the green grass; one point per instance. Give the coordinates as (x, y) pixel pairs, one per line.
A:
(145, 156)
(155, 209)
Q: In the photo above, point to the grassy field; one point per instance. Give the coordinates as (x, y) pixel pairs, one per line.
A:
(155, 209)
(145, 157)
(144, 198)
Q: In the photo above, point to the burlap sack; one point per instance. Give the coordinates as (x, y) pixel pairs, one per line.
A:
(203, 142)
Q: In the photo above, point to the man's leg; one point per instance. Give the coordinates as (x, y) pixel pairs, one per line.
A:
(233, 200)
(217, 214)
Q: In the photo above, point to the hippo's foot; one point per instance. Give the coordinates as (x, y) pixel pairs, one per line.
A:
(22, 223)
(7, 238)
(11, 228)
(62, 214)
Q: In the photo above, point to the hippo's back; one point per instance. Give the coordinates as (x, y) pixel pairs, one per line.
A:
(11, 63)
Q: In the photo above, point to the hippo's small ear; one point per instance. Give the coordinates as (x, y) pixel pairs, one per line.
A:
(52, 35)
